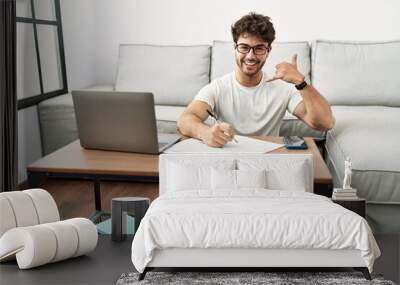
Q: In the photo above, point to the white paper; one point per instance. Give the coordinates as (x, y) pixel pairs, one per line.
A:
(244, 145)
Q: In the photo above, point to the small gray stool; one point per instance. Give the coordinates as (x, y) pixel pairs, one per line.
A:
(120, 207)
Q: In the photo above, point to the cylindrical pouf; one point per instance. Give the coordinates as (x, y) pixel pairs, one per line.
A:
(120, 207)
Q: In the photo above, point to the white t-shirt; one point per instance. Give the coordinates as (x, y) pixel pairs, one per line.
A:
(254, 110)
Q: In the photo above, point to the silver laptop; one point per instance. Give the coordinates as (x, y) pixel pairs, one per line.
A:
(120, 121)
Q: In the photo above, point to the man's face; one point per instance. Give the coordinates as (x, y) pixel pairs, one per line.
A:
(252, 62)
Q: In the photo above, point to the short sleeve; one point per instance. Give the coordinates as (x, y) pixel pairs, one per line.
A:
(208, 94)
(294, 99)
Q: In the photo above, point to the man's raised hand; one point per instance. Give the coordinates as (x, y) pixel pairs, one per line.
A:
(288, 72)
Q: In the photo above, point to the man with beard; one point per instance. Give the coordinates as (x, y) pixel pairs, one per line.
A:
(248, 101)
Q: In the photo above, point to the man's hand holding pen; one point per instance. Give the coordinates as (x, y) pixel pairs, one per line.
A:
(219, 134)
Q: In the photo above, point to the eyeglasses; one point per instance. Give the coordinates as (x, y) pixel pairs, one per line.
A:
(258, 49)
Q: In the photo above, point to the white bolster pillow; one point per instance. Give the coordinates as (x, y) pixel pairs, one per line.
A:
(40, 244)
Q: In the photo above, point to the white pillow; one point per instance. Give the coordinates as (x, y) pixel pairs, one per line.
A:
(293, 178)
(227, 179)
(223, 179)
(251, 178)
(182, 177)
(185, 175)
(281, 174)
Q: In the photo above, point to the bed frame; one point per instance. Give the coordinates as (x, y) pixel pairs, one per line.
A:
(242, 259)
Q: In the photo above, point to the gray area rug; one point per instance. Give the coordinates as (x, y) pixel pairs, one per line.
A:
(229, 278)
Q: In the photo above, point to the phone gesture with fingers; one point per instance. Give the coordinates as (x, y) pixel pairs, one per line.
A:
(288, 72)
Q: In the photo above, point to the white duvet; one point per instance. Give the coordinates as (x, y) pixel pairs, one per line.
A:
(250, 219)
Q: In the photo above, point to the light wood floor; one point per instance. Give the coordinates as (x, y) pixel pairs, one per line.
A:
(75, 198)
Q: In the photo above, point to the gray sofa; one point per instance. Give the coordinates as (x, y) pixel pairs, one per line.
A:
(361, 82)
(358, 79)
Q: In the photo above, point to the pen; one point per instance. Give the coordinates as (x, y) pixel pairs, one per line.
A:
(218, 121)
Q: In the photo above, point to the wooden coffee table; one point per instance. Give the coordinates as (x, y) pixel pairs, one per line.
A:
(73, 161)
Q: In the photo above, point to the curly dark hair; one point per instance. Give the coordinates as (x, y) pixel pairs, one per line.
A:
(255, 25)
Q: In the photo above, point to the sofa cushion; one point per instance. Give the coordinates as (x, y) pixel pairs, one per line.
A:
(167, 116)
(292, 126)
(369, 136)
(223, 57)
(356, 73)
(168, 113)
(57, 120)
(174, 74)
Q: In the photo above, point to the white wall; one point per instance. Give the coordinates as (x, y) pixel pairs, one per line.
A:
(199, 22)
(79, 30)
(29, 144)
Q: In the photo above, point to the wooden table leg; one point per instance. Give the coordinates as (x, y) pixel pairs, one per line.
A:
(36, 179)
(98, 214)
(97, 194)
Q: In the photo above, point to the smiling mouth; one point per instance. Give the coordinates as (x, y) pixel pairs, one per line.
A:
(250, 63)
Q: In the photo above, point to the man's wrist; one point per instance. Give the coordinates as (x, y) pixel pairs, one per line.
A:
(299, 79)
(201, 131)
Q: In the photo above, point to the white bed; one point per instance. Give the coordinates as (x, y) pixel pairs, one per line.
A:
(220, 211)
